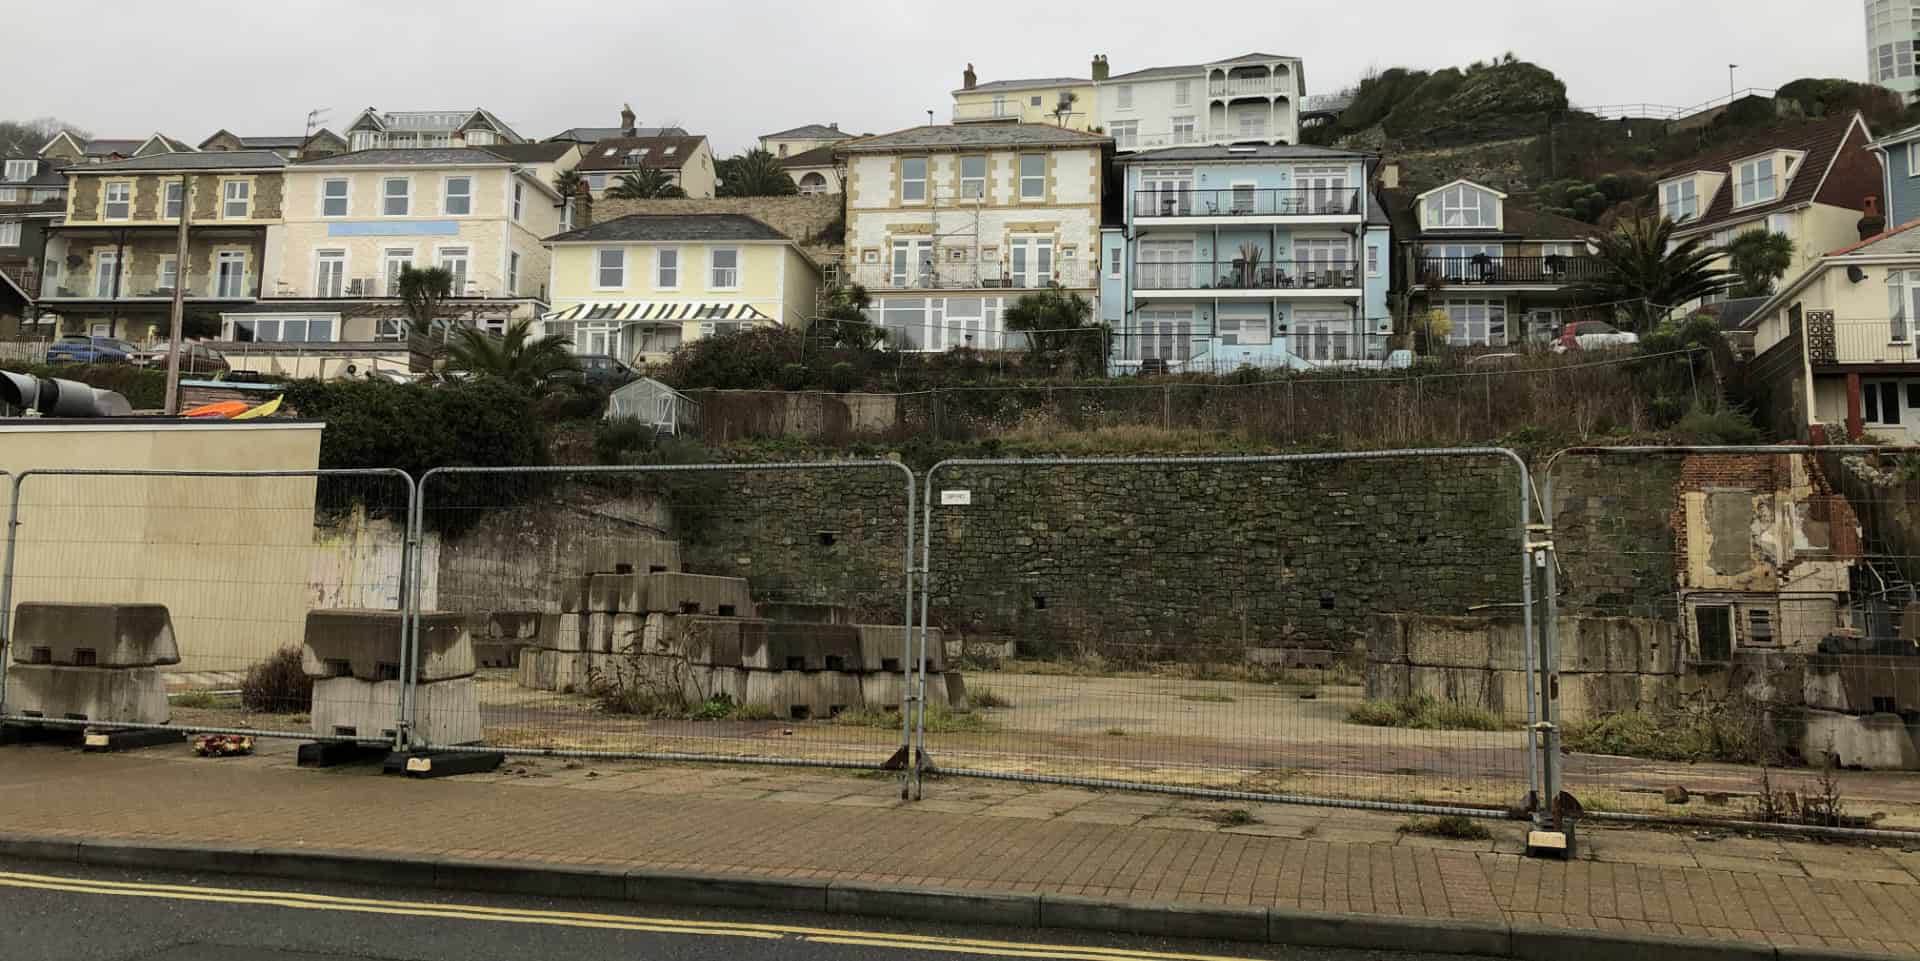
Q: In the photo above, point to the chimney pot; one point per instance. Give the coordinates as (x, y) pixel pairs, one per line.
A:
(969, 79)
(1099, 67)
(1871, 222)
(627, 118)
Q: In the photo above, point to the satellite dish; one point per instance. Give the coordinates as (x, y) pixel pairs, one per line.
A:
(1856, 273)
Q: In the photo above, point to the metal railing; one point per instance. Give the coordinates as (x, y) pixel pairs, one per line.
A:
(1264, 83)
(1248, 202)
(1883, 341)
(1549, 270)
(1009, 110)
(375, 286)
(963, 276)
(1178, 352)
(148, 285)
(1238, 275)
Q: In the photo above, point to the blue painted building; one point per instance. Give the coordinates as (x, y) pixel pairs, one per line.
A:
(1900, 159)
(1246, 256)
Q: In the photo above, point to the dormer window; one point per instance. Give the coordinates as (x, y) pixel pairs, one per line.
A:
(1680, 200)
(19, 170)
(1755, 182)
(1462, 206)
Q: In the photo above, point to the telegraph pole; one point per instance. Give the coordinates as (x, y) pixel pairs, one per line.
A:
(179, 295)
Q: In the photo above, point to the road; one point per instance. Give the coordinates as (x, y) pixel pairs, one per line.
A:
(64, 912)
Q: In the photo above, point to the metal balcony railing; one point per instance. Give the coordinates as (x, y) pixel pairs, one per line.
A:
(1007, 110)
(1235, 86)
(1235, 275)
(1248, 202)
(362, 288)
(1547, 271)
(1888, 341)
(147, 285)
(952, 276)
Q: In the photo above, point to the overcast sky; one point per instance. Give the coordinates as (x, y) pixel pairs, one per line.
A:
(735, 69)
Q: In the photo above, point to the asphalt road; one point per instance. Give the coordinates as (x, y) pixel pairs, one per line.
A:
(64, 912)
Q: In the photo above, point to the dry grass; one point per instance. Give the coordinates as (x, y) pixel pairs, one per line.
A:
(1422, 713)
(1455, 826)
(986, 697)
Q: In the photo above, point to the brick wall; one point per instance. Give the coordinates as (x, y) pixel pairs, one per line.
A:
(812, 222)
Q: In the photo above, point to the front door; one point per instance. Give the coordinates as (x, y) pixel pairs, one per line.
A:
(912, 263)
(1032, 261)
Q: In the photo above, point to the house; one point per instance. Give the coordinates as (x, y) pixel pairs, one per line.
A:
(1900, 173)
(636, 287)
(1503, 274)
(373, 129)
(687, 162)
(1834, 349)
(65, 148)
(352, 223)
(545, 161)
(111, 264)
(801, 139)
(588, 136)
(1254, 98)
(807, 155)
(32, 197)
(1893, 46)
(1237, 256)
(947, 225)
(320, 143)
(1810, 182)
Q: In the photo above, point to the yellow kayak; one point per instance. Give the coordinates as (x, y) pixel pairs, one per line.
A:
(267, 409)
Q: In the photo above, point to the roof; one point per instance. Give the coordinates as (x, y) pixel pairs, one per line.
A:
(666, 227)
(409, 157)
(1821, 142)
(817, 157)
(812, 131)
(1732, 313)
(1520, 222)
(416, 121)
(596, 134)
(1255, 58)
(528, 153)
(962, 136)
(269, 143)
(1897, 137)
(1225, 154)
(1902, 241)
(104, 147)
(1897, 240)
(1153, 73)
(188, 160)
(1026, 84)
(663, 153)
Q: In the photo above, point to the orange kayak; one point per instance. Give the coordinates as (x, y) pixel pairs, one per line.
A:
(223, 409)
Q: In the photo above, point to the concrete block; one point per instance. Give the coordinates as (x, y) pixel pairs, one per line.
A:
(1448, 642)
(574, 592)
(1211, 921)
(880, 692)
(626, 632)
(1386, 933)
(1291, 658)
(932, 904)
(607, 593)
(629, 555)
(1386, 636)
(597, 636)
(544, 670)
(956, 691)
(446, 712)
(706, 682)
(805, 613)
(560, 632)
(1507, 645)
(366, 644)
(708, 641)
(497, 653)
(1882, 742)
(1387, 681)
(885, 647)
(515, 625)
(776, 646)
(663, 887)
(94, 635)
(804, 695)
(129, 695)
(696, 594)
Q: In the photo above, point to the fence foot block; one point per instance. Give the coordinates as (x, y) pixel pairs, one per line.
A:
(441, 763)
(336, 753)
(1550, 844)
(129, 740)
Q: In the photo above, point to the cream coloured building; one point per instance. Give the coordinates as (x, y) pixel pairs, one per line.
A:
(947, 225)
(636, 287)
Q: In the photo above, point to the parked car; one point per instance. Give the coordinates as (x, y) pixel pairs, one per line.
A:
(195, 359)
(1593, 335)
(82, 349)
(599, 370)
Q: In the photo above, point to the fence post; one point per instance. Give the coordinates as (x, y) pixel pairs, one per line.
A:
(1549, 719)
(6, 583)
(1166, 406)
(410, 591)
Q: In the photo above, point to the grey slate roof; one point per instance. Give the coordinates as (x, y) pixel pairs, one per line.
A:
(95, 148)
(270, 143)
(188, 160)
(1901, 239)
(1256, 58)
(528, 153)
(596, 134)
(964, 136)
(1154, 73)
(410, 157)
(817, 157)
(1028, 84)
(1235, 154)
(673, 227)
(811, 131)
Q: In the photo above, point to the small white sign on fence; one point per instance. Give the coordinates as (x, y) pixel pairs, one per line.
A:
(956, 498)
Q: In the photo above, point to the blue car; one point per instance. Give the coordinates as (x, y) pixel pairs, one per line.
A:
(81, 349)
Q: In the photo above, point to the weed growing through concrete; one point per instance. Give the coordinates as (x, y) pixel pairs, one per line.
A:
(1209, 697)
(1425, 713)
(1232, 817)
(987, 697)
(1735, 732)
(195, 699)
(1117, 731)
(1455, 826)
(941, 719)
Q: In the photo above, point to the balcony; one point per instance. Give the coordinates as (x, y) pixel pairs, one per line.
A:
(1250, 84)
(1233, 279)
(1240, 203)
(374, 287)
(147, 286)
(1177, 352)
(1553, 270)
(879, 277)
(1005, 111)
(1858, 342)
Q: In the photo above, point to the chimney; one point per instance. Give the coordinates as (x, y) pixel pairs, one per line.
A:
(1871, 222)
(1390, 175)
(1099, 67)
(969, 79)
(626, 118)
(583, 206)
(835, 126)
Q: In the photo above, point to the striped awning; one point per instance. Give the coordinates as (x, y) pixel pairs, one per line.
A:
(634, 311)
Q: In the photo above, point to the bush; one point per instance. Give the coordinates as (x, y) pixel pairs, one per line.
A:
(1425, 713)
(793, 376)
(574, 401)
(841, 377)
(278, 685)
(616, 441)
(1736, 732)
(1459, 827)
(1717, 424)
(417, 427)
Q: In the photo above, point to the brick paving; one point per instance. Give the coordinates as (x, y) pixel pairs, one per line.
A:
(981, 835)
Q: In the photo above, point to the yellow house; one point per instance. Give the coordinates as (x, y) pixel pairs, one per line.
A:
(637, 287)
(1061, 101)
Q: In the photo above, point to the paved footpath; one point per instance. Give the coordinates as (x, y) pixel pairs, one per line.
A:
(982, 835)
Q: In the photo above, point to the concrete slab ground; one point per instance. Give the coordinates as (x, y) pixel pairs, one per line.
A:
(980, 836)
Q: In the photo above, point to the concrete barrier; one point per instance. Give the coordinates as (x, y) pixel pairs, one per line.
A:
(130, 695)
(366, 644)
(669, 593)
(446, 713)
(629, 555)
(94, 635)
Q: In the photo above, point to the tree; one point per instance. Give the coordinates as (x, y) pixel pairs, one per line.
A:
(647, 184)
(566, 183)
(755, 174)
(1760, 257)
(422, 292)
(843, 319)
(26, 137)
(1648, 274)
(1056, 323)
(516, 357)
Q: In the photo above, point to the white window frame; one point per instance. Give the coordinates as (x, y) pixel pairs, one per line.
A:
(1323, 334)
(106, 268)
(322, 259)
(1183, 93)
(20, 171)
(1162, 334)
(1680, 200)
(666, 276)
(1125, 133)
(1448, 202)
(1913, 156)
(602, 268)
(519, 199)
(513, 271)
(389, 276)
(1748, 189)
(1186, 129)
(972, 187)
(345, 198)
(237, 261)
(9, 233)
(173, 199)
(1116, 262)
(1247, 330)
(405, 197)
(9, 195)
(169, 264)
(230, 196)
(1032, 260)
(922, 181)
(42, 195)
(1039, 180)
(125, 189)
(462, 254)
(738, 270)
(1463, 334)
(1373, 260)
(447, 196)
(1903, 305)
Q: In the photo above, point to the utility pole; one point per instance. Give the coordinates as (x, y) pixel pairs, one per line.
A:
(1730, 69)
(179, 296)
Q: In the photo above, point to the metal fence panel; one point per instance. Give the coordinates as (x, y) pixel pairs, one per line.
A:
(1335, 629)
(1734, 634)
(747, 613)
(239, 560)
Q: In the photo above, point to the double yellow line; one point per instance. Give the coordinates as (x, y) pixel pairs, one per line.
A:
(573, 919)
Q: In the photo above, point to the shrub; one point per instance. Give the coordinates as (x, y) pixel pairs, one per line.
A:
(1717, 425)
(1737, 732)
(615, 441)
(793, 376)
(1456, 826)
(278, 685)
(841, 377)
(1425, 713)
(987, 697)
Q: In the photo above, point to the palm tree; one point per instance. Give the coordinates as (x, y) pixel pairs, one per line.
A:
(516, 357)
(756, 174)
(843, 319)
(1760, 257)
(647, 184)
(566, 183)
(1645, 271)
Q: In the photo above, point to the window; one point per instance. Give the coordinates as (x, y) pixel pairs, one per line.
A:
(1903, 304)
(1000, 106)
(1713, 632)
(1030, 261)
(1679, 201)
(518, 189)
(43, 195)
(1166, 265)
(669, 151)
(1033, 176)
(398, 261)
(666, 268)
(1165, 335)
(106, 274)
(913, 180)
(1324, 334)
(1034, 100)
(1253, 126)
(10, 233)
(905, 321)
(333, 197)
(1242, 326)
(597, 182)
(453, 260)
(230, 273)
(912, 263)
(169, 273)
(1124, 95)
(330, 273)
(171, 200)
(459, 197)
(1462, 206)
(1243, 198)
(396, 197)
(19, 170)
(1183, 93)
(1183, 130)
(973, 177)
(513, 272)
(1756, 183)
(812, 184)
(1126, 134)
(479, 138)
(1759, 626)
(1116, 258)
(1373, 260)
(286, 330)
(1913, 155)
(235, 195)
(119, 201)
(726, 268)
(1781, 224)
(9, 195)
(1476, 322)
(610, 269)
